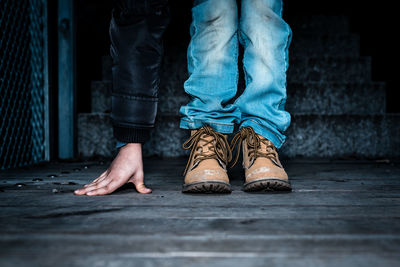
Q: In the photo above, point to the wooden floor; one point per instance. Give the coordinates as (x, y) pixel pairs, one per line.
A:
(341, 213)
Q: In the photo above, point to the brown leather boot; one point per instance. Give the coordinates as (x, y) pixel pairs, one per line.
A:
(263, 170)
(206, 169)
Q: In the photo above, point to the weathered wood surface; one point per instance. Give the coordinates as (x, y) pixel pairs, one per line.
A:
(341, 213)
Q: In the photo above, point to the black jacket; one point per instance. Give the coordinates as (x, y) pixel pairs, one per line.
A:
(136, 31)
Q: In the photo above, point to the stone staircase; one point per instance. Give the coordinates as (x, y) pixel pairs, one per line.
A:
(337, 110)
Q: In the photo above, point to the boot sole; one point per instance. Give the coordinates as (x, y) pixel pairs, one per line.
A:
(210, 187)
(267, 184)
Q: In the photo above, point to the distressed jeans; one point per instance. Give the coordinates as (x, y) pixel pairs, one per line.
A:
(216, 32)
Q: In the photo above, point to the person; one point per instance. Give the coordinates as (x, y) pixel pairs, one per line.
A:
(136, 30)
(216, 32)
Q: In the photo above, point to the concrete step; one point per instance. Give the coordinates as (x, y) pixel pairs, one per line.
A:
(324, 45)
(101, 96)
(308, 136)
(305, 56)
(302, 45)
(318, 24)
(95, 135)
(343, 136)
(301, 69)
(336, 98)
(303, 98)
(324, 98)
(329, 69)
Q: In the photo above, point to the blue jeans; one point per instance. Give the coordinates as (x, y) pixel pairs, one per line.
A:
(216, 32)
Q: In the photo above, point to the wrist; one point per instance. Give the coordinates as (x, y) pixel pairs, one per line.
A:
(135, 148)
(134, 145)
(122, 144)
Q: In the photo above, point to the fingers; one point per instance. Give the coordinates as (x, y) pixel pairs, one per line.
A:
(106, 189)
(95, 186)
(95, 182)
(101, 177)
(109, 184)
(98, 179)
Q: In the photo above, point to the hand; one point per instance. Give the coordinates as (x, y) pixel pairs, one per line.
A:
(127, 167)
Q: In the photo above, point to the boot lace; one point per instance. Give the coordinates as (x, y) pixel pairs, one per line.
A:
(253, 142)
(218, 147)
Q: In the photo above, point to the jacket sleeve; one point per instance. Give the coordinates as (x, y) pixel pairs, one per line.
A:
(136, 31)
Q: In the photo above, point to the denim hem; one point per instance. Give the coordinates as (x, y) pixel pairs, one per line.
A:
(120, 144)
(265, 132)
(225, 128)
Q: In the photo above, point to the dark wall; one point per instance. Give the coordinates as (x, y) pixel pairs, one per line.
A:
(375, 24)
(93, 18)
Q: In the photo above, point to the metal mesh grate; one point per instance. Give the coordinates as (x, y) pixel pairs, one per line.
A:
(23, 90)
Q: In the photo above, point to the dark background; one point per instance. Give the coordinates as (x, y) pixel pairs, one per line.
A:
(375, 24)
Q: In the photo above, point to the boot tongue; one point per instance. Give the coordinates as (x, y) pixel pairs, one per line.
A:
(265, 147)
(206, 147)
(204, 138)
(206, 144)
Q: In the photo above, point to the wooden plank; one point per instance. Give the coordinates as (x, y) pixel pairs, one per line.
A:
(202, 259)
(291, 212)
(103, 222)
(176, 198)
(128, 243)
